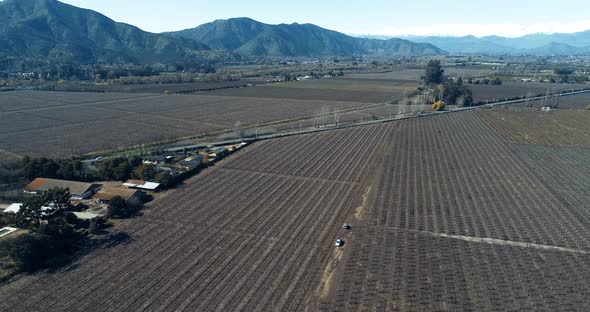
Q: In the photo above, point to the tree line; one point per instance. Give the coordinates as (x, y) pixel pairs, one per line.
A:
(450, 91)
(113, 169)
(54, 234)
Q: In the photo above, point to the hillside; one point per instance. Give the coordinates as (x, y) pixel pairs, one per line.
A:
(533, 44)
(248, 37)
(51, 30)
(466, 44)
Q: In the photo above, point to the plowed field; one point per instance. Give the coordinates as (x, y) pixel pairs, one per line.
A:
(447, 214)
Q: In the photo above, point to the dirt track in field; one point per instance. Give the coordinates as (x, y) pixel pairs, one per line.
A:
(446, 214)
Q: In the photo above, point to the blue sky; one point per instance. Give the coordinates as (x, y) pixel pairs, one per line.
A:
(383, 17)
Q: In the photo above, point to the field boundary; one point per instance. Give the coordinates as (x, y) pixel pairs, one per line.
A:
(359, 124)
(487, 240)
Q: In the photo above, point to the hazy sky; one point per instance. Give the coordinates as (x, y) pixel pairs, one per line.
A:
(383, 17)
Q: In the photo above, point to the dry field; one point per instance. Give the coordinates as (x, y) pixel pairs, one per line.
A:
(403, 74)
(378, 85)
(460, 220)
(64, 124)
(555, 128)
(447, 214)
(270, 92)
(7, 157)
(253, 234)
(470, 72)
(578, 101)
(170, 87)
(507, 90)
(416, 73)
(336, 89)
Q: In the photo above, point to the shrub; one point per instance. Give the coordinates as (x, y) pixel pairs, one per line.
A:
(53, 244)
(7, 219)
(117, 207)
(438, 105)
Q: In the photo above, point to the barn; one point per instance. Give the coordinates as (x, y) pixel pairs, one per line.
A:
(78, 190)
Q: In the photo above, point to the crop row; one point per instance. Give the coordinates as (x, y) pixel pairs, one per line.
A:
(54, 127)
(557, 128)
(256, 231)
(397, 270)
(453, 175)
(230, 239)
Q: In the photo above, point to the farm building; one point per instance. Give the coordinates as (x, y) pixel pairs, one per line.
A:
(142, 185)
(216, 152)
(236, 147)
(191, 162)
(86, 215)
(12, 209)
(15, 208)
(109, 192)
(78, 190)
(156, 160)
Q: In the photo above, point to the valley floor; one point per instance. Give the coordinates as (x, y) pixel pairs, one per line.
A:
(447, 214)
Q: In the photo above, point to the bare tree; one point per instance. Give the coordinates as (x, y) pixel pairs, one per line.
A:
(527, 101)
(460, 101)
(545, 99)
(402, 106)
(441, 93)
(321, 118)
(240, 130)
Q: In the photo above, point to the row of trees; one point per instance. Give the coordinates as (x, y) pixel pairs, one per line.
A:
(10, 172)
(119, 208)
(494, 82)
(69, 169)
(72, 169)
(84, 72)
(118, 168)
(115, 169)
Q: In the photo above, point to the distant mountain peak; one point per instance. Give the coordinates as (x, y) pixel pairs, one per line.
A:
(61, 32)
(252, 38)
(532, 44)
(58, 32)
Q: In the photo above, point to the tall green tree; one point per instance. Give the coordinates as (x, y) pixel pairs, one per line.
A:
(434, 73)
(58, 198)
(30, 213)
(146, 172)
(455, 92)
(36, 208)
(122, 172)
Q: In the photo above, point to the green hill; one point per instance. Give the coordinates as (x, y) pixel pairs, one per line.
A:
(248, 37)
(50, 30)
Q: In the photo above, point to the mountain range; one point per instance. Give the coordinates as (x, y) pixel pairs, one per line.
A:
(247, 37)
(54, 30)
(51, 30)
(533, 44)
